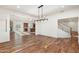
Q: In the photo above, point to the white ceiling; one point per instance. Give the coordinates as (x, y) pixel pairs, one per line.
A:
(33, 9)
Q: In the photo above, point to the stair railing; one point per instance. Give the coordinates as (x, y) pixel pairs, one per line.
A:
(65, 27)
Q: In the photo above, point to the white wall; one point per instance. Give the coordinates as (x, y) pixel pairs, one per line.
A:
(74, 26)
(5, 32)
(49, 28)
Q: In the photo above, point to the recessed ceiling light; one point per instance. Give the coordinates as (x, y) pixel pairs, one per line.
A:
(18, 6)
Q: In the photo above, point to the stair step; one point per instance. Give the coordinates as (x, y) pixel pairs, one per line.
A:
(73, 33)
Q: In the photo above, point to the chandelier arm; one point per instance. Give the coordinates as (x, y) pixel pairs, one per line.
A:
(38, 13)
(42, 12)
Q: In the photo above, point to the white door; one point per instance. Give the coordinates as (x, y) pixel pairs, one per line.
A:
(4, 30)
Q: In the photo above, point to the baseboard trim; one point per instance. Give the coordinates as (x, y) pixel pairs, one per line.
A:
(54, 37)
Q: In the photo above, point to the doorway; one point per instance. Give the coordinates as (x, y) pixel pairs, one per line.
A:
(32, 30)
(11, 26)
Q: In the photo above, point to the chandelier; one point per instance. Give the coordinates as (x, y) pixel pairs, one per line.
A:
(41, 16)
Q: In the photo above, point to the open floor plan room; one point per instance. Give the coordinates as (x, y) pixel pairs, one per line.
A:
(39, 29)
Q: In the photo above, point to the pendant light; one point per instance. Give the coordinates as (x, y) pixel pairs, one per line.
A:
(41, 16)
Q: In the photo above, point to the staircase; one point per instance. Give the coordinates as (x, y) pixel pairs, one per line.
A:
(74, 40)
(73, 34)
(67, 29)
(64, 27)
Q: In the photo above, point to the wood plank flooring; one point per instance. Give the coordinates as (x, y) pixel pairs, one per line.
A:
(38, 44)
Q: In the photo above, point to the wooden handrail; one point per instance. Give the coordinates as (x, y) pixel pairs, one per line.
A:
(66, 26)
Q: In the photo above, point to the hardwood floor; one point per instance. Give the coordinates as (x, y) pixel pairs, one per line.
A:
(38, 44)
